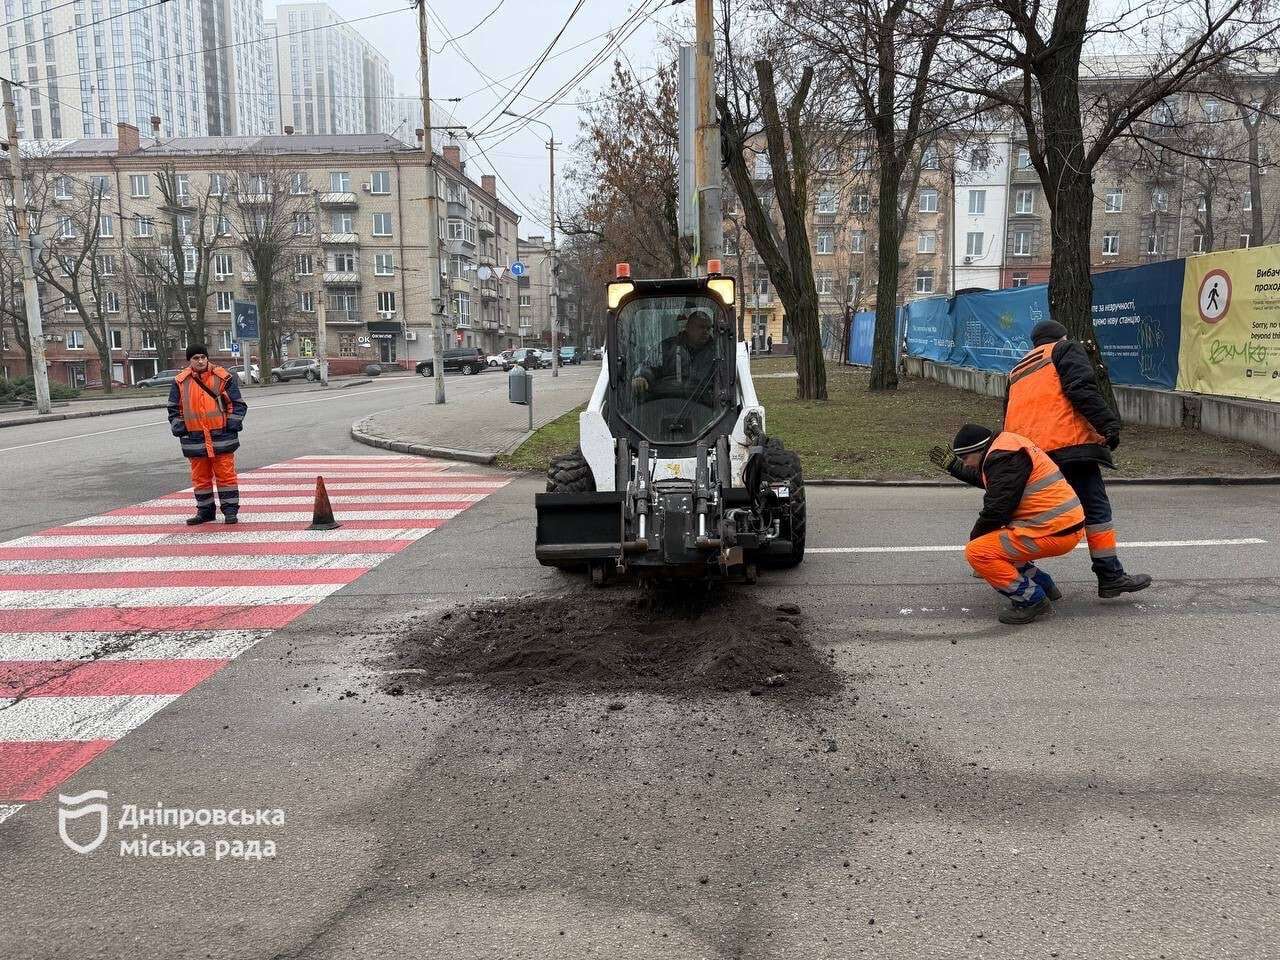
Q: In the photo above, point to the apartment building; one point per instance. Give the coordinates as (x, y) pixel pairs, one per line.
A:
(535, 298)
(330, 79)
(355, 242)
(979, 202)
(239, 69)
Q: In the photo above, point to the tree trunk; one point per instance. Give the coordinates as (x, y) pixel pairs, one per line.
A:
(884, 350)
(1256, 229)
(811, 371)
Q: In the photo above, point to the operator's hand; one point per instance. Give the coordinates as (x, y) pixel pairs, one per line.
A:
(1113, 441)
(639, 384)
(942, 459)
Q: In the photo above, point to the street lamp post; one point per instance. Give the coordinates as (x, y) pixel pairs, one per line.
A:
(551, 293)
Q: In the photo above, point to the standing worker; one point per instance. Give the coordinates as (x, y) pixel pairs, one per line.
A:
(206, 413)
(1029, 513)
(1054, 401)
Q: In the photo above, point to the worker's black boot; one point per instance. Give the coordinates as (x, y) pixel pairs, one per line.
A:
(200, 518)
(1111, 587)
(1016, 615)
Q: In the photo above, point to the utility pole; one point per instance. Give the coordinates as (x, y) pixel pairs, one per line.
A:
(433, 233)
(318, 268)
(707, 157)
(27, 254)
(555, 319)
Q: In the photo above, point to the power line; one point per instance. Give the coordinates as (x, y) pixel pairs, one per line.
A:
(462, 36)
(96, 23)
(41, 13)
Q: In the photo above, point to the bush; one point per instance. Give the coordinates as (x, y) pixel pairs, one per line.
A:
(12, 389)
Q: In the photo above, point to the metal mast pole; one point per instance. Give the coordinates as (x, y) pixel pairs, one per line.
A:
(707, 157)
(433, 233)
(555, 319)
(321, 314)
(27, 254)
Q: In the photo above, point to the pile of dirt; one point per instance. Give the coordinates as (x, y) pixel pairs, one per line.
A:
(601, 642)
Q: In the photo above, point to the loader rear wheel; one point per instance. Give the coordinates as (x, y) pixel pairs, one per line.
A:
(783, 466)
(570, 473)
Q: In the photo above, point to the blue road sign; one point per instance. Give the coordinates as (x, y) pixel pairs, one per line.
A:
(246, 320)
(518, 269)
(235, 348)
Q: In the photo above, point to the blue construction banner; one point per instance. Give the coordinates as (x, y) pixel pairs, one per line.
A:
(861, 336)
(1136, 313)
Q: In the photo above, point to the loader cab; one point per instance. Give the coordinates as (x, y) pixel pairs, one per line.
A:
(672, 361)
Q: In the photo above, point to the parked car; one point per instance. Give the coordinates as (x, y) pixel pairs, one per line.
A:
(498, 359)
(97, 384)
(597, 353)
(164, 378)
(531, 358)
(467, 360)
(570, 355)
(255, 375)
(303, 368)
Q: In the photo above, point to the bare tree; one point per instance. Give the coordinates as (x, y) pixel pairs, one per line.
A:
(155, 300)
(195, 226)
(1139, 53)
(13, 309)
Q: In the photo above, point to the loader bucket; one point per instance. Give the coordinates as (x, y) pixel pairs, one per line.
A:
(578, 527)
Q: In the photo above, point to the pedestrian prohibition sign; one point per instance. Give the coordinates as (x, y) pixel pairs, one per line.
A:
(1214, 296)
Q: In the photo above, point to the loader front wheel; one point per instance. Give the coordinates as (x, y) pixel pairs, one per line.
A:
(783, 466)
(570, 473)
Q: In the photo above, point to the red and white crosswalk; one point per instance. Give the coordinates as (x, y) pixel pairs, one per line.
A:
(106, 621)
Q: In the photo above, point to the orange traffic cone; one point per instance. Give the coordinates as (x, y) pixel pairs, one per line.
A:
(322, 512)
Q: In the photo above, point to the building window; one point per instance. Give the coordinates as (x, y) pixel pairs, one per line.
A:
(139, 185)
(762, 171)
(307, 301)
(347, 345)
(1246, 202)
(929, 158)
(1024, 202)
(217, 185)
(223, 265)
(117, 339)
(456, 231)
(1024, 158)
(924, 281)
(225, 336)
(344, 262)
(1197, 243)
(222, 301)
(75, 339)
(861, 203)
(384, 264)
(1155, 244)
(1022, 243)
(111, 303)
(823, 283)
(107, 266)
(302, 224)
(1111, 243)
(977, 202)
(979, 159)
(223, 226)
(303, 264)
(339, 181)
(826, 242)
(380, 182)
(462, 308)
(929, 201)
(1020, 279)
(148, 339)
(341, 222)
(298, 184)
(1115, 200)
(1159, 199)
(382, 224)
(1202, 202)
(524, 300)
(1245, 240)
(66, 228)
(827, 201)
(857, 241)
(143, 226)
(973, 244)
(926, 242)
(386, 301)
(62, 188)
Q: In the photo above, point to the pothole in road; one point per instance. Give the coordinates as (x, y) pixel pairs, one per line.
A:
(600, 643)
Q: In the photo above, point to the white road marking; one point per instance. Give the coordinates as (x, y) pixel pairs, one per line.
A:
(151, 425)
(286, 561)
(336, 499)
(7, 810)
(238, 536)
(107, 645)
(250, 517)
(310, 593)
(77, 718)
(1243, 542)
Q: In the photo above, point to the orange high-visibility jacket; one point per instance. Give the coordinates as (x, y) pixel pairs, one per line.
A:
(201, 412)
(206, 425)
(1049, 506)
(1039, 408)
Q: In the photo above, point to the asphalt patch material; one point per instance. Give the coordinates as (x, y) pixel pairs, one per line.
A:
(601, 642)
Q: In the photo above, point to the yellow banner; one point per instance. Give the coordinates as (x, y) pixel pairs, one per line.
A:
(1231, 324)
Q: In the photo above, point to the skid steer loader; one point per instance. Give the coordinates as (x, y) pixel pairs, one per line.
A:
(674, 476)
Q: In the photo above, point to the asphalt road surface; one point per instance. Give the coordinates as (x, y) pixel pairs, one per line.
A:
(1103, 784)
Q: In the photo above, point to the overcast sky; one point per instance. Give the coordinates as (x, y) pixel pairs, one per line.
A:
(507, 44)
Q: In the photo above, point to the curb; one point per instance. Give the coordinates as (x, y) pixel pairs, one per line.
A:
(52, 417)
(420, 450)
(1111, 481)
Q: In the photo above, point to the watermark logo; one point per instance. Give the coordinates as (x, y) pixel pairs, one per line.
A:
(78, 808)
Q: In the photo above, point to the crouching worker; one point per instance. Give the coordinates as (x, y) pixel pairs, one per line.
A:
(1030, 512)
(206, 413)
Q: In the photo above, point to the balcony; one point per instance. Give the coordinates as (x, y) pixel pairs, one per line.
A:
(759, 300)
(457, 208)
(248, 276)
(460, 285)
(340, 239)
(342, 278)
(340, 198)
(342, 317)
(486, 228)
(460, 245)
(489, 292)
(254, 198)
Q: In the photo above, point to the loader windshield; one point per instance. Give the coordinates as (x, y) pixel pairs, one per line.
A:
(673, 357)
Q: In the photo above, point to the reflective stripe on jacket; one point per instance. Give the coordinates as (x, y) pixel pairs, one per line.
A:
(1048, 506)
(1039, 408)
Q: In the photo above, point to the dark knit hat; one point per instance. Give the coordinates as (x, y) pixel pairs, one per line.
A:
(197, 348)
(1047, 331)
(971, 439)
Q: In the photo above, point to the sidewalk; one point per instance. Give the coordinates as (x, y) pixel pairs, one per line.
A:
(478, 422)
(129, 399)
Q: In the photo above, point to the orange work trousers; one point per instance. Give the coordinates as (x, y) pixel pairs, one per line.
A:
(219, 470)
(1005, 557)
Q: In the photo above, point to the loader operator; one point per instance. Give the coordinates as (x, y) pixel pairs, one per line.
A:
(1055, 402)
(1029, 512)
(688, 361)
